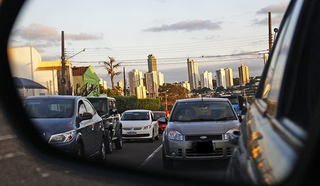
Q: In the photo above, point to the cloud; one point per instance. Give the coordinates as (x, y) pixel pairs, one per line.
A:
(187, 26)
(275, 20)
(40, 35)
(277, 9)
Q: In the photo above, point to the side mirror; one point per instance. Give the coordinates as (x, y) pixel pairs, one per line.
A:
(233, 136)
(85, 116)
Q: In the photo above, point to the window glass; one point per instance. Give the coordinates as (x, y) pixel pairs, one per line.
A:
(82, 109)
(89, 107)
(272, 92)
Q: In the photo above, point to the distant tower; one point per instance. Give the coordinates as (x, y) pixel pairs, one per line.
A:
(229, 77)
(193, 74)
(221, 78)
(206, 80)
(243, 75)
(152, 63)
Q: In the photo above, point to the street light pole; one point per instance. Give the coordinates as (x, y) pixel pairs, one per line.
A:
(63, 80)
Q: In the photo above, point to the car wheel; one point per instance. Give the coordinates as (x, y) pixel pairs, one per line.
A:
(108, 142)
(103, 156)
(80, 150)
(118, 141)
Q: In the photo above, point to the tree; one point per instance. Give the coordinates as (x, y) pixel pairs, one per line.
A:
(110, 67)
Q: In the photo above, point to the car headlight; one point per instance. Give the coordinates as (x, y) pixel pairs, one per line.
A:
(226, 136)
(62, 137)
(146, 127)
(174, 135)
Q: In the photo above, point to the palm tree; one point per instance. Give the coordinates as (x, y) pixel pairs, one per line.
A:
(110, 67)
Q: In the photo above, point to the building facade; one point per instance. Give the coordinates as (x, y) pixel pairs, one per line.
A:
(193, 74)
(152, 63)
(221, 78)
(206, 80)
(243, 75)
(229, 77)
(152, 84)
(135, 80)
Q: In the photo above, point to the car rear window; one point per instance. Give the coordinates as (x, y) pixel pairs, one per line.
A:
(135, 116)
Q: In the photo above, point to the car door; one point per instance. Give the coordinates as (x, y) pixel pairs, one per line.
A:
(274, 130)
(96, 126)
(86, 128)
(155, 124)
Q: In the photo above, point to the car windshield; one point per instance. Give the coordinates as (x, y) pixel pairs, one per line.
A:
(135, 116)
(202, 111)
(49, 108)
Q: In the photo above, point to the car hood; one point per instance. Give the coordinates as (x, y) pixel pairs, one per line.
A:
(205, 127)
(51, 126)
(135, 123)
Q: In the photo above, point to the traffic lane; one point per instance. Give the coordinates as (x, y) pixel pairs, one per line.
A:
(133, 153)
(203, 170)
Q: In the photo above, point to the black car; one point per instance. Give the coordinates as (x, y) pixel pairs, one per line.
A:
(278, 135)
(106, 108)
(68, 123)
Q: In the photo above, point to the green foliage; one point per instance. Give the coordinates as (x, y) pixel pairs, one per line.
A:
(126, 103)
(149, 104)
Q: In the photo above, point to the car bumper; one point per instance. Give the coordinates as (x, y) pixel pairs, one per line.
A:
(201, 150)
(137, 134)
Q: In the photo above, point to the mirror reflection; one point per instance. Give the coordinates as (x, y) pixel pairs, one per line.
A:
(78, 65)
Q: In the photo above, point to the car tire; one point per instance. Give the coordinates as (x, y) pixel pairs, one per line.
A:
(108, 142)
(118, 141)
(80, 150)
(103, 150)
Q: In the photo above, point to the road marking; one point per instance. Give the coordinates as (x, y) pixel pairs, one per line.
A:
(5, 137)
(11, 155)
(150, 156)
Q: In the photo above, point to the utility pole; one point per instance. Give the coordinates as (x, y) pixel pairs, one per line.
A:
(270, 31)
(63, 67)
(124, 81)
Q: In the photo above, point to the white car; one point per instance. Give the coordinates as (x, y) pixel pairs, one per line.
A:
(139, 124)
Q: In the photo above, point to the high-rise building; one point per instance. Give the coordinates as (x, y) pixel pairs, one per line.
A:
(161, 78)
(206, 80)
(243, 75)
(193, 74)
(229, 77)
(152, 63)
(135, 79)
(152, 84)
(221, 78)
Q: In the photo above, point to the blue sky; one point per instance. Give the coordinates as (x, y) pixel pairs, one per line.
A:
(217, 34)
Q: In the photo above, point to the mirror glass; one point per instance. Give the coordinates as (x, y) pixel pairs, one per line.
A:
(62, 47)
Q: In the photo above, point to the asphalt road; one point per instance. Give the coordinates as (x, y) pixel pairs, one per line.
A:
(20, 167)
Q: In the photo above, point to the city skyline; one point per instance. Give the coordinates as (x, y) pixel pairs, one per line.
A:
(216, 34)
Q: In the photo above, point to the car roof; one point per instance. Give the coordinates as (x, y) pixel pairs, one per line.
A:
(203, 99)
(55, 97)
(138, 110)
(103, 97)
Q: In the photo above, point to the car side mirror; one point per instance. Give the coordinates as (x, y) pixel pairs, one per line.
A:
(233, 137)
(85, 116)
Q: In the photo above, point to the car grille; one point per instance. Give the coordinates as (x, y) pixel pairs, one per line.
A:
(132, 128)
(138, 135)
(209, 137)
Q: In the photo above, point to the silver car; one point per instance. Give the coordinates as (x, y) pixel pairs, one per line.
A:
(197, 130)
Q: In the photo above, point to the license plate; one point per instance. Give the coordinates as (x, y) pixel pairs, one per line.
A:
(132, 133)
